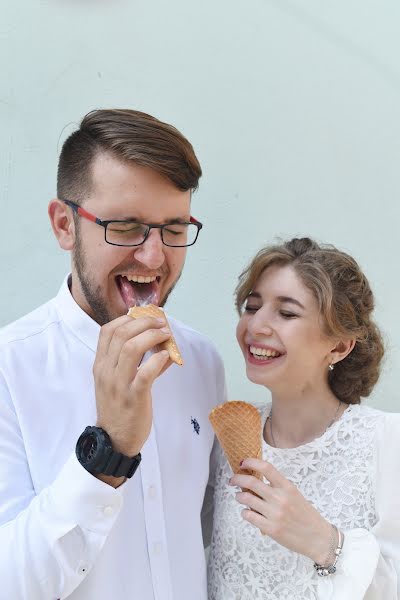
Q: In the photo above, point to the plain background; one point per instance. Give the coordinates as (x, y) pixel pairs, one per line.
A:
(292, 107)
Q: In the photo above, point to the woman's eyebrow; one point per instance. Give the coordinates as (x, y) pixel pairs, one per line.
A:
(290, 300)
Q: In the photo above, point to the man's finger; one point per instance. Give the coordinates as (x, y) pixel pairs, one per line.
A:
(106, 333)
(133, 350)
(149, 371)
(128, 330)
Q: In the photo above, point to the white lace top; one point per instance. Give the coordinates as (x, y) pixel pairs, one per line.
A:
(351, 474)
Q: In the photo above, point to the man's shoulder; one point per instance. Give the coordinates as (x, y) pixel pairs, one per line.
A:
(199, 344)
(30, 326)
(190, 335)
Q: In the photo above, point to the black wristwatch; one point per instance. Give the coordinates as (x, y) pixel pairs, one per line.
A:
(96, 454)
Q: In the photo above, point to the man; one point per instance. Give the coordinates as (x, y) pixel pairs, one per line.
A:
(112, 511)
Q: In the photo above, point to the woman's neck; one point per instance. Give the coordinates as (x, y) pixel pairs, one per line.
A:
(299, 418)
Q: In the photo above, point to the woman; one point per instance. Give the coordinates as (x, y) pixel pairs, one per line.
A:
(330, 501)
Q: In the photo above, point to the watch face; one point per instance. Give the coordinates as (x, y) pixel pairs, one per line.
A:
(89, 446)
(93, 449)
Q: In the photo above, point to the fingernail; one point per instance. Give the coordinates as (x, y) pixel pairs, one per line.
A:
(164, 353)
(165, 329)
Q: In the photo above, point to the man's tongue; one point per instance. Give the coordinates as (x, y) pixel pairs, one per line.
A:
(137, 294)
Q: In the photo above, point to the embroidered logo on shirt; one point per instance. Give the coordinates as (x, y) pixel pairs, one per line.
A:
(196, 425)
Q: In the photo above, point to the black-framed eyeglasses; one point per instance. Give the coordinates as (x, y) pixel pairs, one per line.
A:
(177, 234)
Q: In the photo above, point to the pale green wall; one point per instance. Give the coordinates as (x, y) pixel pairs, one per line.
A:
(293, 108)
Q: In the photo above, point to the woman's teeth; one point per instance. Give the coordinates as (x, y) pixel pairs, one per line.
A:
(263, 353)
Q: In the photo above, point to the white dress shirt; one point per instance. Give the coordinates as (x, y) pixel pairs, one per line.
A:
(64, 533)
(351, 474)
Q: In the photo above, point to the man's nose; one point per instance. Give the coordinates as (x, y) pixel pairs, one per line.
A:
(151, 252)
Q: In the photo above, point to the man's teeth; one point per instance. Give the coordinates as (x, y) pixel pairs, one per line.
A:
(262, 353)
(140, 278)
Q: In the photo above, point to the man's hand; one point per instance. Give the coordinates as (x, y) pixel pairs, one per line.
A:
(123, 384)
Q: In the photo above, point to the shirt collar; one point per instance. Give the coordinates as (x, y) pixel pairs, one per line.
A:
(83, 326)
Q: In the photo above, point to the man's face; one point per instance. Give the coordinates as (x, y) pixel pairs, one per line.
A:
(103, 276)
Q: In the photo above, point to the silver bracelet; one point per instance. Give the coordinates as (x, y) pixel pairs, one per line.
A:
(324, 570)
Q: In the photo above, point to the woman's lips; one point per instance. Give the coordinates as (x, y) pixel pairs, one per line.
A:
(264, 360)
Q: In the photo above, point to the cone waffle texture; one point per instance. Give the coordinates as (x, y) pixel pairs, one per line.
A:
(150, 310)
(238, 428)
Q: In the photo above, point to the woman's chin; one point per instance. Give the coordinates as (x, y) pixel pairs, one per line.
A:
(267, 380)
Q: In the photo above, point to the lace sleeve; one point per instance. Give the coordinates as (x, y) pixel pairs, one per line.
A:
(207, 511)
(369, 567)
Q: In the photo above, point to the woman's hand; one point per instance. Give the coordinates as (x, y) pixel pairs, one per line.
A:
(280, 511)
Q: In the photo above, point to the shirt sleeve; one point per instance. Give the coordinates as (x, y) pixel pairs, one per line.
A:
(369, 567)
(207, 511)
(48, 541)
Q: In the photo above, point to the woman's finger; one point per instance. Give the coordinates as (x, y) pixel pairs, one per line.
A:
(254, 502)
(253, 484)
(267, 470)
(256, 519)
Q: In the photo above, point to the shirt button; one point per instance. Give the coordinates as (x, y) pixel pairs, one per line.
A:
(108, 511)
(152, 491)
(157, 548)
(82, 570)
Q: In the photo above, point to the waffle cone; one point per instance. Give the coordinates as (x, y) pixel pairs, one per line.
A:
(150, 310)
(238, 428)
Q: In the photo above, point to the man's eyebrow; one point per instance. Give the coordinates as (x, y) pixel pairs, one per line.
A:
(137, 220)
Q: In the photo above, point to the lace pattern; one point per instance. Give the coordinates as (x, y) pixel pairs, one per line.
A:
(334, 472)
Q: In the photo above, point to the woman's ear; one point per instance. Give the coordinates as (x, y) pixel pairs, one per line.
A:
(341, 350)
(62, 223)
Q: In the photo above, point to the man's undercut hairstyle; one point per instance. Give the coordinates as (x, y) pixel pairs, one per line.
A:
(345, 302)
(130, 136)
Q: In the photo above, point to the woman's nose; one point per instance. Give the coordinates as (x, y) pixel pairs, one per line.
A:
(260, 324)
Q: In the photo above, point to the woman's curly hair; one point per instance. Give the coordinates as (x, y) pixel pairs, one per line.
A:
(345, 302)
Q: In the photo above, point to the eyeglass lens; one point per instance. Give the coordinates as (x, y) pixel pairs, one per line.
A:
(133, 234)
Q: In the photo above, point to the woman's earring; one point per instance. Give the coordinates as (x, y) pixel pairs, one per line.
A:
(331, 367)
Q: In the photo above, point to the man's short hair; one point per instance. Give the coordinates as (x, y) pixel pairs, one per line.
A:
(128, 135)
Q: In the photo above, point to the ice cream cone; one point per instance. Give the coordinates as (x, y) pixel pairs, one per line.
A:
(150, 310)
(238, 428)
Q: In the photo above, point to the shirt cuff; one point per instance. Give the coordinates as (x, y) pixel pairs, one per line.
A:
(79, 498)
(355, 568)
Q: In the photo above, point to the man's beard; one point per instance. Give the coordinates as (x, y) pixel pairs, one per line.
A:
(93, 292)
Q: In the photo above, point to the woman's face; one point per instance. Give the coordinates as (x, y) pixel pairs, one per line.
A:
(280, 334)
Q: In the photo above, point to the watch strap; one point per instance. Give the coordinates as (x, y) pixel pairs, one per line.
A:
(120, 465)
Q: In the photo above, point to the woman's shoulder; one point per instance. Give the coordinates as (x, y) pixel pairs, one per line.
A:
(384, 424)
(364, 411)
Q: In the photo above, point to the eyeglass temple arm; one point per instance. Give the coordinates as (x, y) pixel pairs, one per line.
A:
(196, 222)
(87, 215)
